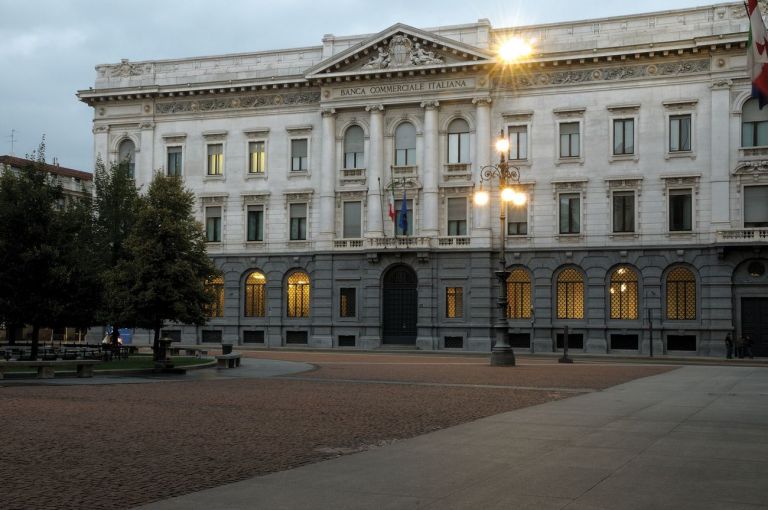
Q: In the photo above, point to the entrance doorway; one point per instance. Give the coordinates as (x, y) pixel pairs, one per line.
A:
(754, 322)
(399, 306)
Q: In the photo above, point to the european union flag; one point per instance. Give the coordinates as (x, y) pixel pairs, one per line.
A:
(403, 223)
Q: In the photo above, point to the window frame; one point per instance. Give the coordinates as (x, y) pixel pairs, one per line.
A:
(527, 126)
(744, 203)
(609, 299)
(524, 292)
(623, 119)
(219, 304)
(247, 223)
(168, 147)
(263, 173)
(673, 116)
(448, 220)
(306, 221)
(674, 191)
(355, 302)
(459, 297)
(556, 301)
(263, 308)
(558, 146)
(462, 160)
(359, 165)
(291, 140)
(580, 196)
(675, 109)
(221, 223)
(696, 290)
(635, 215)
(414, 149)
(220, 175)
(291, 314)
(343, 218)
(510, 206)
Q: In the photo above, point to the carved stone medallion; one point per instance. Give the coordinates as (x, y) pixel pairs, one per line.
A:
(401, 51)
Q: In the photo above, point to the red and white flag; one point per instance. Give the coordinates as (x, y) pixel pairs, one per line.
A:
(391, 209)
(757, 53)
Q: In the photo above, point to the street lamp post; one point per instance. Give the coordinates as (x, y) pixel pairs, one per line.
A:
(508, 176)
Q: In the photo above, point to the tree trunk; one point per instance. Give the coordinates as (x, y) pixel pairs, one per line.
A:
(11, 334)
(35, 341)
(156, 344)
(115, 335)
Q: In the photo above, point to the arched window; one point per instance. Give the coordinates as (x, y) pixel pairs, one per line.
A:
(519, 294)
(458, 141)
(681, 294)
(353, 147)
(255, 296)
(126, 152)
(623, 293)
(570, 294)
(405, 144)
(298, 294)
(754, 124)
(215, 288)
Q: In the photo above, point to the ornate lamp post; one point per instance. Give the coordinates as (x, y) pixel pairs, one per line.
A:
(508, 177)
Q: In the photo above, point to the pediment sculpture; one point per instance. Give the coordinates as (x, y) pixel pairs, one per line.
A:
(402, 52)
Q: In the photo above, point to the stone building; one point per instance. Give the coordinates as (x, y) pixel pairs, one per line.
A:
(642, 156)
(74, 183)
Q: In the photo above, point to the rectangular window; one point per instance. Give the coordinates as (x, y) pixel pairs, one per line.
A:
(570, 213)
(624, 211)
(348, 302)
(298, 222)
(755, 206)
(517, 219)
(213, 224)
(623, 136)
(457, 216)
(454, 302)
(680, 210)
(518, 142)
(754, 134)
(216, 159)
(174, 161)
(352, 219)
(405, 157)
(680, 133)
(569, 140)
(255, 223)
(257, 158)
(299, 151)
(409, 217)
(458, 148)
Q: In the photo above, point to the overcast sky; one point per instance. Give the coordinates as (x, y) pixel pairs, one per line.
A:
(48, 49)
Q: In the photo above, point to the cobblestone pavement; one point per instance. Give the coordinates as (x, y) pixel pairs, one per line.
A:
(117, 446)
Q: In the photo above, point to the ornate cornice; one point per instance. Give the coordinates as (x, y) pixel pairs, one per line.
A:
(482, 101)
(374, 108)
(430, 105)
(238, 102)
(610, 74)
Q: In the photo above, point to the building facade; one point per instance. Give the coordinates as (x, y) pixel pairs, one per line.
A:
(642, 156)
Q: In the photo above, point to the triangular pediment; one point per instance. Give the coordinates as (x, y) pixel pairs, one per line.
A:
(400, 48)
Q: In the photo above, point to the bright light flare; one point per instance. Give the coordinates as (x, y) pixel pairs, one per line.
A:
(481, 198)
(502, 145)
(508, 194)
(514, 49)
(519, 199)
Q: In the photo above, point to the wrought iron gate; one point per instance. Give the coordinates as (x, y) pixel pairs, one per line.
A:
(399, 306)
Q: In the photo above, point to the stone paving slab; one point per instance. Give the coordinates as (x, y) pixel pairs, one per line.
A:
(689, 438)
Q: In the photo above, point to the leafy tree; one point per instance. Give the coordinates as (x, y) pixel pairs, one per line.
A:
(48, 264)
(163, 277)
(116, 208)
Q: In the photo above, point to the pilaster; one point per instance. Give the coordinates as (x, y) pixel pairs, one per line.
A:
(327, 179)
(719, 154)
(375, 164)
(429, 223)
(481, 227)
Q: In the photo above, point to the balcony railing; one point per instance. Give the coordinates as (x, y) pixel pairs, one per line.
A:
(399, 242)
(453, 241)
(404, 170)
(457, 172)
(352, 175)
(349, 244)
(743, 235)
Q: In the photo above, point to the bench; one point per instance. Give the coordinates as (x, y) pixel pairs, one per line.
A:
(47, 369)
(188, 351)
(231, 360)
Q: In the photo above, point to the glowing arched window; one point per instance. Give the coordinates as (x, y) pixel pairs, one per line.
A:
(570, 294)
(623, 293)
(405, 144)
(681, 294)
(255, 296)
(353, 147)
(519, 294)
(754, 125)
(458, 141)
(298, 294)
(215, 287)
(126, 153)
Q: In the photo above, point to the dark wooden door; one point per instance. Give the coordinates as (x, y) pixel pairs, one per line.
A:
(399, 306)
(754, 322)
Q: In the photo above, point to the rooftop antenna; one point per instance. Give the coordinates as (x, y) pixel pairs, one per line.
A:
(13, 139)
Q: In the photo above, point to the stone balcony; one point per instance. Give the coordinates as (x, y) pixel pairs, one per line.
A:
(742, 235)
(461, 172)
(402, 242)
(454, 241)
(352, 176)
(405, 171)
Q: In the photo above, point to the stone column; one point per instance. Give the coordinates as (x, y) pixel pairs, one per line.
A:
(375, 226)
(719, 147)
(429, 211)
(481, 226)
(101, 145)
(145, 154)
(328, 180)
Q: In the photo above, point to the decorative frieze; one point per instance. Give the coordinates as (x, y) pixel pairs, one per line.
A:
(238, 102)
(610, 73)
(124, 69)
(400, 51)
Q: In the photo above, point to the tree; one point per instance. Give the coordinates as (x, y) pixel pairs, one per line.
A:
(163, 277)
(40, 272)
(116, 208)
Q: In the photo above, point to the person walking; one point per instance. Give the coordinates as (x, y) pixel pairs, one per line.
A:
(728, 346)
(748, 347)
(739, 344)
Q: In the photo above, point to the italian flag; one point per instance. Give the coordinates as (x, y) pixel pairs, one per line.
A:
(757, 53)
